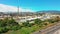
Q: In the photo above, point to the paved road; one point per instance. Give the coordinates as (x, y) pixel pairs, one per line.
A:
(49, 30)
(29, 19)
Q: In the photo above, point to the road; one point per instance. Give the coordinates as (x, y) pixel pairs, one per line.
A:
(49, 30)
(29, 19)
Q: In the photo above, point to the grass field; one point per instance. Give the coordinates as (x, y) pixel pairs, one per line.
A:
(25, 30)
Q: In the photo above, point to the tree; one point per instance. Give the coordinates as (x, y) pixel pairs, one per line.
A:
(57, 18)
(3, 29)
(8, 24)
(13, 25)
(26, 23)
(16, 27)
(2, 23)
(37, 21)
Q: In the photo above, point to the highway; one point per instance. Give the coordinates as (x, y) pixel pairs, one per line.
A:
(49, 30)
(29, 19)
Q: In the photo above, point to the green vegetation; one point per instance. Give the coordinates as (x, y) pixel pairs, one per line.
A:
(37, 21)
(10, 26)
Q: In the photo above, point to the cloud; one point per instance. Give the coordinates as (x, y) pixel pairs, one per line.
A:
(7, 8)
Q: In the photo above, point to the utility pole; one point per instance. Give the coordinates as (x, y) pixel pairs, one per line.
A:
(18, 9)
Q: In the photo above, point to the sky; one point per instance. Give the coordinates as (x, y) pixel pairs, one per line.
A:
(32, 5)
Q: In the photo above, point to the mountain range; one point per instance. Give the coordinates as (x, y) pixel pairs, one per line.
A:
(30, 13)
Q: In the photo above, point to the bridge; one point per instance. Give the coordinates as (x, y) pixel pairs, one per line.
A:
(50, 30)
